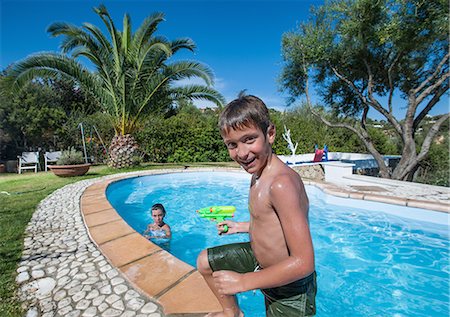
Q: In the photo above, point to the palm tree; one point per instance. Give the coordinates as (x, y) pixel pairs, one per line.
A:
(132, 77)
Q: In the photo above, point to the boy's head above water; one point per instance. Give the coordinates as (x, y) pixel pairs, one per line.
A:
(158, 213)
(245, 111)
(248, 133)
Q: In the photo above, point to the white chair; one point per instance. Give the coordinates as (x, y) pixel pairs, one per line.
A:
(51, 157)
(28, 161)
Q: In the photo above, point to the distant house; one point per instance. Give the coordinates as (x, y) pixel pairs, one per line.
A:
(429, 119)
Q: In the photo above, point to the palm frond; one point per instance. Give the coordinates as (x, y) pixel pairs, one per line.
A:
(98, 35)
(74, 36)
(189, 69)
(145, 31)
(183, 43)
(126, 34)
(54, 65)
(198, 92)
(115, 36)
(153, 54)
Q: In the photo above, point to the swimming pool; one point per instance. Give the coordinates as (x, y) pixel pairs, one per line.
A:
(368, 263)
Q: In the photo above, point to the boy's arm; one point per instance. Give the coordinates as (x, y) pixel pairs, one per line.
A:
(147, 229)
(289, 199)
(167, 230)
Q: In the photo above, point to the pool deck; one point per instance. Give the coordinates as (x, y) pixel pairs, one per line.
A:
(82, 259)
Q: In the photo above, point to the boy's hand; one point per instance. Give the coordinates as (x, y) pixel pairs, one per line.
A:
(228, 282)
(232, 227)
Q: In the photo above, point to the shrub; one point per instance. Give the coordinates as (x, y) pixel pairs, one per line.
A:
(70, 157)
(191, 135)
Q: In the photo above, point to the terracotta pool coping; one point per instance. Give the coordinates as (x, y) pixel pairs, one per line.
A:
(175, 285)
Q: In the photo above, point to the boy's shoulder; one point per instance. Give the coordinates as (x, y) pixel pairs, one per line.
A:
(283, 175)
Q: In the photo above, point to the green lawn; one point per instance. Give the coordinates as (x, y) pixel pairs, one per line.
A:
(26, 191)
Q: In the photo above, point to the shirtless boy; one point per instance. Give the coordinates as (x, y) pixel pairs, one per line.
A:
(279, 259)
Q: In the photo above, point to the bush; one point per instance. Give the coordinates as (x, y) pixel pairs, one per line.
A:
(435, 169)
(70, 157)
(191, 135)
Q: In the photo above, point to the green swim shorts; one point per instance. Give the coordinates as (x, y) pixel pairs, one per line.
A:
(296, 299)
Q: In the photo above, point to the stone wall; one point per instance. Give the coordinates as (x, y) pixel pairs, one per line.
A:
(315, 171)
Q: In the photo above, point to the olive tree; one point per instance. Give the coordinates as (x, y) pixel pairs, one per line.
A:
(364, 54)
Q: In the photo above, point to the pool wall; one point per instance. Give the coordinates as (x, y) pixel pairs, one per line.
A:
(175, 285)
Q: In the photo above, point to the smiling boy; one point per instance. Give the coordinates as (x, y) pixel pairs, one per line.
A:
(279, 259)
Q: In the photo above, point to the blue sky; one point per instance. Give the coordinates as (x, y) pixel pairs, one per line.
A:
(239, 40)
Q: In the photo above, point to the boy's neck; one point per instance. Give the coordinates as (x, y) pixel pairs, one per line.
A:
(258, 174)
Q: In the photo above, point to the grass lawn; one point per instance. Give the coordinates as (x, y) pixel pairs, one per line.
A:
(26, 191)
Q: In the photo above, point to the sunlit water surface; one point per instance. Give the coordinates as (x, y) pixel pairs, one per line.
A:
(368, 263)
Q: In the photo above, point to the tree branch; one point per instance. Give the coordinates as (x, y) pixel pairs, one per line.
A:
(370, 81)
(391, 86)
(373, 102)
(350, 84)
(432, 76)
(364, 117)
(335, 125)
(429, 106)
(429, 138)
(430, 88)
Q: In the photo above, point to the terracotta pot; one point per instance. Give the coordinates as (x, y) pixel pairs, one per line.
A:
(2, 168)
(70, 170)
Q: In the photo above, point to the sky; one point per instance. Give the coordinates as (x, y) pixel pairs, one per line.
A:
(239, 40)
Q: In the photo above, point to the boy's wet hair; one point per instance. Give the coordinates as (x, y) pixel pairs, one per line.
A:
(245, 111)
(159, 207)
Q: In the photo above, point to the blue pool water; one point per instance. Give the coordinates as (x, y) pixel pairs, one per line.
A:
(369, 263)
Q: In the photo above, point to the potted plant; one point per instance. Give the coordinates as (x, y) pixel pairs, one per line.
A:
(70, 163)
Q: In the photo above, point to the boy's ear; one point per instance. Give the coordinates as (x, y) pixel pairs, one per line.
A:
(271, 132)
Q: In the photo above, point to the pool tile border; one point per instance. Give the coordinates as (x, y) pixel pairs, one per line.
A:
(150, 269)
(175, 285)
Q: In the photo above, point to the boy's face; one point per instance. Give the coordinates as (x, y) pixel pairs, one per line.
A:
(158, 216)
(250, 147)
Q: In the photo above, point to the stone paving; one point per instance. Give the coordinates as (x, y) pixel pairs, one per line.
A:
(437, 194)
(62, 273)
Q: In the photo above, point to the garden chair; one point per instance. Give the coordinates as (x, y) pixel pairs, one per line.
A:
(320, 155)
(51, 157)
(28, 161)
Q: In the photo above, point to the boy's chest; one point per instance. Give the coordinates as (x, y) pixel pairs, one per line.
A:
(259, 202)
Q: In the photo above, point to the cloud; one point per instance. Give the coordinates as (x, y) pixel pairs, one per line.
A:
(220, 84)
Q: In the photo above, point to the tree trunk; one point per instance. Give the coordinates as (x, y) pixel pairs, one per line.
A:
(123, 151)
(408, 162)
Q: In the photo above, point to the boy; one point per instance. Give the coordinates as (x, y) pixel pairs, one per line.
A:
(158, 229)
(279, 259)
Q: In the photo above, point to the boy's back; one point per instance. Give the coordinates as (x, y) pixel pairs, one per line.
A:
(277, 184)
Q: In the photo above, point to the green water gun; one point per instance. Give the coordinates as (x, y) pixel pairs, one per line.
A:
(217, 213)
